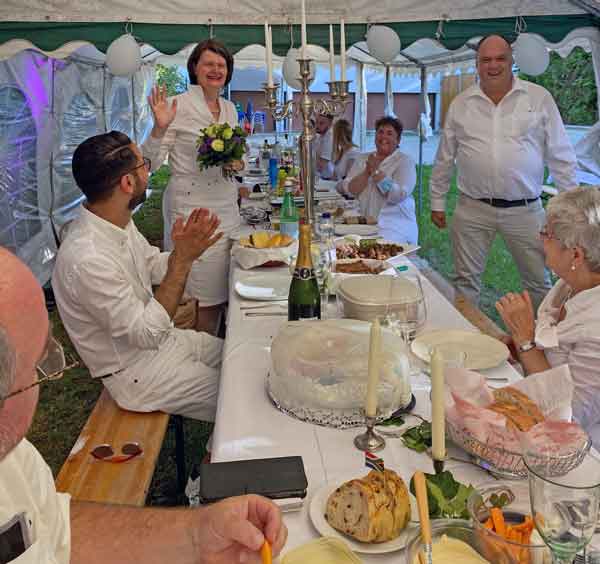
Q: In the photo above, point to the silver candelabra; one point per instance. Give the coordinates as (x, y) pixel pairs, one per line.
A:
(307, 108)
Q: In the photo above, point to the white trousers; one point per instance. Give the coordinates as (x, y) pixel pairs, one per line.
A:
(474, 226)
(181, 377)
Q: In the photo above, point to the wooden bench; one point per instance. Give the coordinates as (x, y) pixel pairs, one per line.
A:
(89, 479)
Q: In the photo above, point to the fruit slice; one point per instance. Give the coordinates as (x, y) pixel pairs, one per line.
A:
(260, 239)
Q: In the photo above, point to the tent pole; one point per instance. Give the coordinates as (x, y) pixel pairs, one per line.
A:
(420, 130)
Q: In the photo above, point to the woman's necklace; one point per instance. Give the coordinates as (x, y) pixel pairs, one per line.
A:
(215, 113)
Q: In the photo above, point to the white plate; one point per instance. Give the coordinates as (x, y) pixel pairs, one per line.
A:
(358, 229)
(481, 350)
(318, 506)
(264, 287)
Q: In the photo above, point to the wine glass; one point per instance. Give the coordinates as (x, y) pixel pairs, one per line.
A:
(322, 263)
(564, 508)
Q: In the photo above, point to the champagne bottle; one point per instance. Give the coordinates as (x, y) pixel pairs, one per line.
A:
(304, 300)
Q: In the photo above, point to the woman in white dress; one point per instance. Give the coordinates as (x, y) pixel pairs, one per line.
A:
(177, 122)
(383, 183)
(344, 151)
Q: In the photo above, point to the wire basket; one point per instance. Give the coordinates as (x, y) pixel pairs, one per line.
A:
(510, 464)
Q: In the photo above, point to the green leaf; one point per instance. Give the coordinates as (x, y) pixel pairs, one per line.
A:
(446, 497)
(391, 422)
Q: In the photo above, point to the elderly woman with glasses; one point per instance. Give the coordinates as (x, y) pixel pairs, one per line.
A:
(383, 182)
(567, 329)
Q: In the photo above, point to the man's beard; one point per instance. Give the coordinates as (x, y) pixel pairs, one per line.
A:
(137, 199)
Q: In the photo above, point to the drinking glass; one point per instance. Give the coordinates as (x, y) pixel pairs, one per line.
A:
(409, 314)
(564, 508)
(322, 264)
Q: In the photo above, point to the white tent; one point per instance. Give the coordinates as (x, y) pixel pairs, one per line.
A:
(55, 89)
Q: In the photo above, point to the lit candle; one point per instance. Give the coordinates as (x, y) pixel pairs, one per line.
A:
(331, 55)
(438, 422)
(269, 52)
(343, 49)
(373, 379)
(303, 30)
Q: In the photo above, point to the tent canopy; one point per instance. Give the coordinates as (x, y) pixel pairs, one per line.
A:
(170, 25)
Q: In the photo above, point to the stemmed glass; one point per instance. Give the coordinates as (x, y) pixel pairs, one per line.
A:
(409, 313)
(323, 265)
(564, 508)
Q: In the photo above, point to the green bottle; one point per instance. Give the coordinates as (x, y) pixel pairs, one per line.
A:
(304, 299)
(289, 216)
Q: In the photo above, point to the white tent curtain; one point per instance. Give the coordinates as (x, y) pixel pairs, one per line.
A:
(388, 108)
(359, 131)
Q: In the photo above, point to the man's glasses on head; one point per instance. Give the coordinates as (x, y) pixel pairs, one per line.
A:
(51, 367)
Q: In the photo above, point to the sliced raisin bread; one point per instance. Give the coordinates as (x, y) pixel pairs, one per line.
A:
(371, 509)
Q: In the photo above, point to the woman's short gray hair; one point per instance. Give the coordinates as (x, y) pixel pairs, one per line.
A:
(574, 219)
(7, 365)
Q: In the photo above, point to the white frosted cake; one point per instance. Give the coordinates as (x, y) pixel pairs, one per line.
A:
(320, 371)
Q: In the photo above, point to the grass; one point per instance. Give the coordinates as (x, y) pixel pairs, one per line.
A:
(66, 404)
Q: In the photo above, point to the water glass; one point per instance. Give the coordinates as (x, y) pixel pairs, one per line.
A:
(564, 508)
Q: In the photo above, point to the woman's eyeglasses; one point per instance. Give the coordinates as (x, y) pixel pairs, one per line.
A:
(52, 366)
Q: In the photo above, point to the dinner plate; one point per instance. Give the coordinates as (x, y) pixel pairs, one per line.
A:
(317, 509)
(481, 350)
(356, 228)
(264, 287)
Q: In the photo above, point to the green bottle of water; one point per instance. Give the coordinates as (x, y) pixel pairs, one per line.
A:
(304, 299)
(289, 216)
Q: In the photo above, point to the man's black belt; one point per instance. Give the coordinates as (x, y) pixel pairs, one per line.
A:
(500, 203)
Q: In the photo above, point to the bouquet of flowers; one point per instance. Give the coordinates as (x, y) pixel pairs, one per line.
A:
(220, 144)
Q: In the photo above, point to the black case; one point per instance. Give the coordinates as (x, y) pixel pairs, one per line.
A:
(276, 478)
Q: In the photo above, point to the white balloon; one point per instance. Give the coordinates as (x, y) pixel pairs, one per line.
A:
(383, 43)
(124, 56)
(291, 68)
(531, 55)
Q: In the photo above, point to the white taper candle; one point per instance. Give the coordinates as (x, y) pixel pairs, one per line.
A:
(438, 415)
(343, 49)
(331, 55)
(373, 377)
(269, 53)
(303, 31)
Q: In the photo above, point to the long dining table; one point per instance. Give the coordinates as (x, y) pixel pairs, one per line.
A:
(248, 425)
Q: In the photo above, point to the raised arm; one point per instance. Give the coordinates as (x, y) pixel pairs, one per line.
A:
(162, 136)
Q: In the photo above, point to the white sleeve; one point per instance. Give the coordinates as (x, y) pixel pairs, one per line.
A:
(108, 296)
(400, 184)
(357, 168)
(559, 154)
(443, 167)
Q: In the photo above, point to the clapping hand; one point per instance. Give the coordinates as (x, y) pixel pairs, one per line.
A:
(235, 529)
(193, 237)
(517, 313)
(163, 113)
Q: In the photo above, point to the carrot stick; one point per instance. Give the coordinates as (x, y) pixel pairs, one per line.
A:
(498, 520)
(265, 553)
(489, 524)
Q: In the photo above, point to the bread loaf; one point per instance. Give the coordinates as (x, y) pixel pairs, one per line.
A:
(371, 509)
(519, 410)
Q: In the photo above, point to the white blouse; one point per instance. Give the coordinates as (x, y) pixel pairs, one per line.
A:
(574, 341)
(344, 164)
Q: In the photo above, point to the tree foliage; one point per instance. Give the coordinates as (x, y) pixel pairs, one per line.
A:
(172, 78)
(572, 84)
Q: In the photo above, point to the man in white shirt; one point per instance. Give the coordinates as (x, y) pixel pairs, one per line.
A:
(103, 283)
(324, 145)
(40, 526)
(499, 133)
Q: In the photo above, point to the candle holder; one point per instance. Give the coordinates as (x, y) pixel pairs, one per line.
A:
(438, 465)
(369, 440)
(307, 108)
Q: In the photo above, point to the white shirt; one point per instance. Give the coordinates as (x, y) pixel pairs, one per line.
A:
(103, 286)
(576, 343)
(27, 488)
(500, 150)
(324, 150)
(390, 201)
(343, 166)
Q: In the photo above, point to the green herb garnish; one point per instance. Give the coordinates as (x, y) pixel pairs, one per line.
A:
(418, 438)
(392, 422)
(499, 501)
(446, 497)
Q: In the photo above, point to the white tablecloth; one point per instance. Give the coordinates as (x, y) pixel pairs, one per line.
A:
(249, 426)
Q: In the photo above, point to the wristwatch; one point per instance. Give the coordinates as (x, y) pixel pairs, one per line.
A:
(526, 346)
